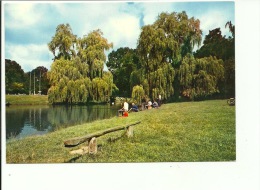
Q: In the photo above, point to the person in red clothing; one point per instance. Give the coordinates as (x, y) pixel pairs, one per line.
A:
(125, 114)
(123, 109)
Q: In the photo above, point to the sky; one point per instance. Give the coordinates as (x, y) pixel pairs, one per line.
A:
(29, 26)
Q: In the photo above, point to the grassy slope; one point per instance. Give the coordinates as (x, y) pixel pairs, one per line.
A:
(27, 99)
(192, 131)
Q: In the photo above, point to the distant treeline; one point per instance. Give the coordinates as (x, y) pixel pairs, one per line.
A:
(19, 82)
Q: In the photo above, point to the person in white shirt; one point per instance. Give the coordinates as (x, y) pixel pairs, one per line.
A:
(124, 108)
(149, 105)
(160, 100)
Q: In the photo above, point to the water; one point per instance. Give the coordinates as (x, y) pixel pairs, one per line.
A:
(23, 121)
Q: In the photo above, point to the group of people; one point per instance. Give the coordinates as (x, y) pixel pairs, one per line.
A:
(151, 105)
(145, 105)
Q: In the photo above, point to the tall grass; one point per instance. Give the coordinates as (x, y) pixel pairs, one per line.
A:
(176, 132)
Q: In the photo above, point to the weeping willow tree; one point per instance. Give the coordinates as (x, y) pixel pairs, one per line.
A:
(69, 80)
(91, 51)
(161, 47)
(102, 88)
(200, 78)
(76, 75)
(63, 42)
(138, 93)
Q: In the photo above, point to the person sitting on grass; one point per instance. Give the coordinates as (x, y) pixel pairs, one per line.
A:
(124, 108)
(155, 104)
(134, 107)
(149, 105)
(125, 114)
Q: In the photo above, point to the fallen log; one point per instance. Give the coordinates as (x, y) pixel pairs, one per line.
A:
(79, 140)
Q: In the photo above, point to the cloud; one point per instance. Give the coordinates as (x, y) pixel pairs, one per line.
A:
(152, 10)
(30, 26)
(125, 31)
(212, 20)
(29, 56)
(22, 15)
(118, 25)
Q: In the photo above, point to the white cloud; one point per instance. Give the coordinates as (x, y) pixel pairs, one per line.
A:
(21, 15)
(212, 20)
(29, 56)
(152, 10)
(123, 31)
(119, 21)
(119, 27)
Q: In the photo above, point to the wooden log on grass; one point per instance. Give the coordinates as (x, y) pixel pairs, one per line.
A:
(79, 140)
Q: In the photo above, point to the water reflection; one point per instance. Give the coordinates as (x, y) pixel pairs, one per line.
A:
(22, 121)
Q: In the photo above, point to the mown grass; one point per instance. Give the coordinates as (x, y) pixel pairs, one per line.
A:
(27, 99)
(176, 132)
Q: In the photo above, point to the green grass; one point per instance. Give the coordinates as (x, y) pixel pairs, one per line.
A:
(176, 132)
(27, 99)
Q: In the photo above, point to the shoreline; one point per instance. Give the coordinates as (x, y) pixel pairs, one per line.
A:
(187, 131)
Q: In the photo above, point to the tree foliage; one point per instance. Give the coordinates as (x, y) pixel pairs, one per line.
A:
(42, 82)
(161, 47)
(91, 51)
(138, 93)
(215, 44)
(63, 42)
(14, 77)
(19, 82)
(69, 81)
(122, 63)
(76, 75)
(200, 78)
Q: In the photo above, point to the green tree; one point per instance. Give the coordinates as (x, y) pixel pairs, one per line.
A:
(63, 42)
(14, 78)
(41, 81)
(138, 93)
(215, 44)
(200, 78)
(108, 78)
(69, 81)
(76, 75)
(103, 87)
(91, 50)
(161, 47)
(122, 63)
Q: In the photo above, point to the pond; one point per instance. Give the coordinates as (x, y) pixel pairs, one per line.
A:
(24, 121)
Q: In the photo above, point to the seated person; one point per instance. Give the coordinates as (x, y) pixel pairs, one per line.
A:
(149, 105)
(125, 114)
(124, 108)
(134, 107)
(155, 104)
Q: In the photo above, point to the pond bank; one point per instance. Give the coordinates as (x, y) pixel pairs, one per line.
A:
(27, 99)
(38, 100)
(176, 132)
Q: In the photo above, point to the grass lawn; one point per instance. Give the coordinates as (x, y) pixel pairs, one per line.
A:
(176, 132)
(27, 99)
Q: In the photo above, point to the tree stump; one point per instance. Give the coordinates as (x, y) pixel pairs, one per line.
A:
(92, 147)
